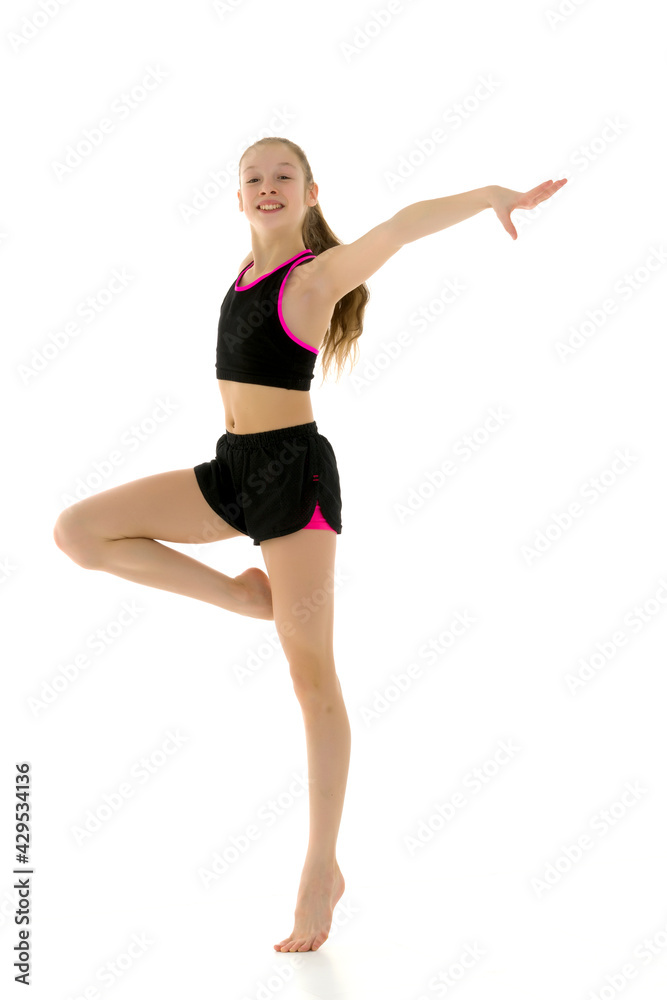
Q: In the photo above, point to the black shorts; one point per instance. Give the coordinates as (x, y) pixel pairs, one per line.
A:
(270, 483)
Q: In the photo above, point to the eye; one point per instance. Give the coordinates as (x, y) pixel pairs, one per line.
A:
(254, 178)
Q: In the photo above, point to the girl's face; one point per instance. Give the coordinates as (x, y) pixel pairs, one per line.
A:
(273, 174)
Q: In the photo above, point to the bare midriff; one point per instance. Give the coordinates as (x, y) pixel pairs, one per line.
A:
(250, 408)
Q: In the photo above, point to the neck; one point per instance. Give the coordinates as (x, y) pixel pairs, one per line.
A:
(268, 255)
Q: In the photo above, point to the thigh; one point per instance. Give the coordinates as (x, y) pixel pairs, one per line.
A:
(300, 567)
(168, 506)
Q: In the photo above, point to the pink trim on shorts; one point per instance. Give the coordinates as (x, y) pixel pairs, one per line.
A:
(318, 521)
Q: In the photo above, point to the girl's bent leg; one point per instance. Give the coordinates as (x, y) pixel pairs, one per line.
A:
(116, 531)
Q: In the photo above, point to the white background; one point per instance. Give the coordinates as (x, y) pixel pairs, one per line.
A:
(579, 95)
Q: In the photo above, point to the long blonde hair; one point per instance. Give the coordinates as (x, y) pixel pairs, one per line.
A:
(346, 325)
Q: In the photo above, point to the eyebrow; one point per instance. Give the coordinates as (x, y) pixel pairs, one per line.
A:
(283, 163)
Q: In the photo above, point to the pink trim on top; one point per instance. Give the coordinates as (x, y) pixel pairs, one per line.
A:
(242, 288)
(280, 312)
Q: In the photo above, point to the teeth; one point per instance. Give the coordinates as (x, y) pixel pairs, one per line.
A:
(269, 208)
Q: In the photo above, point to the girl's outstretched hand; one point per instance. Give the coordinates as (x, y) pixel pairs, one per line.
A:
(504, 201)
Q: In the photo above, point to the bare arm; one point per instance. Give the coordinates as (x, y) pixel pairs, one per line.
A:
(426, 217)
(344, 267)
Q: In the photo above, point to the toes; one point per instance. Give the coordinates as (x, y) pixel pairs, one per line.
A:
(301, 944)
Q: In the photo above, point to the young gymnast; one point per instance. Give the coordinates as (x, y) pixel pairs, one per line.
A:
(300, 293)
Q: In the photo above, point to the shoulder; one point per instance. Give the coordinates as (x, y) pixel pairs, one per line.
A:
(244, 263)
(344, 267)
(306, 277)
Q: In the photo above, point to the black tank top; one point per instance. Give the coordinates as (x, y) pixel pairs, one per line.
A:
(254, 342)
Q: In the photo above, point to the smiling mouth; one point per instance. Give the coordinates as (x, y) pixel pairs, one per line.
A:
(277, 208)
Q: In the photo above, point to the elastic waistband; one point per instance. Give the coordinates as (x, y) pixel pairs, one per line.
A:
(273, 437)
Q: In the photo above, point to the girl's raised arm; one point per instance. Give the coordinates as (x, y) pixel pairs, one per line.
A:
(342, 268)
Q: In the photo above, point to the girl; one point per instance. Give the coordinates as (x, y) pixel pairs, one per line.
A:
(274, 478)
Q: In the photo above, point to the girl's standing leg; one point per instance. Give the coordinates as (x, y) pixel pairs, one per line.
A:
(301, 571)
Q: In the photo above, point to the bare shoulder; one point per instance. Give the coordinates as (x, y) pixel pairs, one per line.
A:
(244, 263)
(305, 281)
(338, 270)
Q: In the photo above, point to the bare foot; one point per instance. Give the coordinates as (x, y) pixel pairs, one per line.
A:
(255, 599)
(314, 912)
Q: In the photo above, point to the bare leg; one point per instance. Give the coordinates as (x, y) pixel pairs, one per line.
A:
(301, 569)
(322, 883)
(328, 741)
(116, 530)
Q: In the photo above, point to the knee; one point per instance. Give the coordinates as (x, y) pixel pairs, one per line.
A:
(71, 537)
(312, 673)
